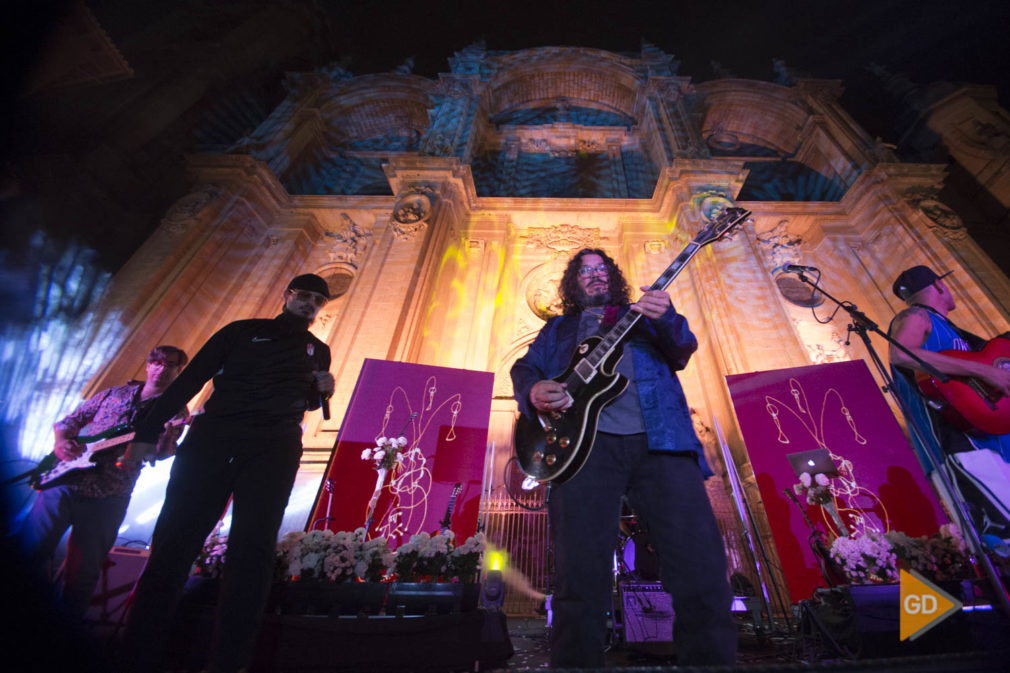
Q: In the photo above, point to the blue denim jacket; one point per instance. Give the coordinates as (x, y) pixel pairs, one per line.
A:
(660, 348)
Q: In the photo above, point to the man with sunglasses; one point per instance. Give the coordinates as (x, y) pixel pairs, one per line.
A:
(92, 502)
(645, 449)
(977, 464)
(245, 446)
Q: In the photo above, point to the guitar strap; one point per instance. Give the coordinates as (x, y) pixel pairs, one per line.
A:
(610, 316)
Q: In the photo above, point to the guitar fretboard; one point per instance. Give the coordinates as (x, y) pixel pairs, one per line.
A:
(587, 367)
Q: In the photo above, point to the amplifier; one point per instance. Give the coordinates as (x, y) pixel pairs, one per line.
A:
(120, 571)
(647, 612)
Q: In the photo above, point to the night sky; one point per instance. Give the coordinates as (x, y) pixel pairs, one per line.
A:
(928, 40)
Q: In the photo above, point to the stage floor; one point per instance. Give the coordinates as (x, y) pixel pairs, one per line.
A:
(769, 653)
(529, 638)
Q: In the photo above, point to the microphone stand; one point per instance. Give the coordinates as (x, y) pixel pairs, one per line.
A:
(862, 325)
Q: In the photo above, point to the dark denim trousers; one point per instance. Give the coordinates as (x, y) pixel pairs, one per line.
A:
(258, 476)
(94, 525)
(668, 492)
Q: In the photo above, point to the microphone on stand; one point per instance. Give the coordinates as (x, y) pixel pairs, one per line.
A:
(799, 268)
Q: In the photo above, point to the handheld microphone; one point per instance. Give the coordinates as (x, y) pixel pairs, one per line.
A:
(324, 404)
(799, 268)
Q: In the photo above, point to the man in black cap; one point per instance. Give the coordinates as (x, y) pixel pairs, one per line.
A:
(245, 446)
(978, 465)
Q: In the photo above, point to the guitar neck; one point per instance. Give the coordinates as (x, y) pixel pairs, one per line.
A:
(623, 326)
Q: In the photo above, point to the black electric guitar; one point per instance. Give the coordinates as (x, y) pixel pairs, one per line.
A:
(447, 521)
(554, 446)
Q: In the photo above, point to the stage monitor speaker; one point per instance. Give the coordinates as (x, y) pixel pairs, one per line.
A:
(120, 571)
(647, 612)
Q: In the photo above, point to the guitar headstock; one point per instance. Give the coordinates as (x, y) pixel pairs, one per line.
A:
(722, 225)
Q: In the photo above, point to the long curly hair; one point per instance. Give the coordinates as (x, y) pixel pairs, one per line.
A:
(571, 293)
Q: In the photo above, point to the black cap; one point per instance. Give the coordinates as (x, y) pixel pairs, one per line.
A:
(915, 279)
(310, 282)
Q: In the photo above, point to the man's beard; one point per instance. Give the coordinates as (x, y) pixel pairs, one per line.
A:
(589, 300)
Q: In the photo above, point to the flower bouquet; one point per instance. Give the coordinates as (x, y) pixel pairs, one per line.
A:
(873, 557)
(816, 489)
(866, 558)
(386, 455)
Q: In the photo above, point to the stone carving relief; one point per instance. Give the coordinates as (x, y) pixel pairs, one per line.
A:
(942, 220)
(183, 212)
(411, 211)
(350, 243)
(778, 245)
(655, 247)
(437, 144)
(536, 145)
(711, 203)
(779, 248)
(563, 239)
(540, 288)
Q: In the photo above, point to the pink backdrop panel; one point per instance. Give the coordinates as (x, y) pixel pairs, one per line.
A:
(837, 406)
(452, 407)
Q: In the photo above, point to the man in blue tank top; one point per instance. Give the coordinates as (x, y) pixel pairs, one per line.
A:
(978, 465)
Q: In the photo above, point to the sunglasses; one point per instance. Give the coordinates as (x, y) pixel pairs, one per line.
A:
(305, 295)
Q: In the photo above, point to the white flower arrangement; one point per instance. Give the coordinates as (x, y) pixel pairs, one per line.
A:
(349, 557)
(866, 558)
(387, 452)
(437, 558)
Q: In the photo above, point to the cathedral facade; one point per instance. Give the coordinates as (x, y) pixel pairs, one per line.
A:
(442, 212)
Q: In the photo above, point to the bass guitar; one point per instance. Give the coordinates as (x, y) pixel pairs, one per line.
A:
(554, 446)
(968, 403)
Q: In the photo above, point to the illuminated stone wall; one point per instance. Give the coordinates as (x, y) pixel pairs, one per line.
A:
(442, 212)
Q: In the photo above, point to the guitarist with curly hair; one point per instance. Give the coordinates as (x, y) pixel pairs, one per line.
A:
(965, 421)
(643, 447)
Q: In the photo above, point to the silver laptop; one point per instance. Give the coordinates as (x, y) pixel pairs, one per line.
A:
(815, 461)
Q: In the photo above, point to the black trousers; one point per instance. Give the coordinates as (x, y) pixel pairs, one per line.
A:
(668, 490)
(211, 466)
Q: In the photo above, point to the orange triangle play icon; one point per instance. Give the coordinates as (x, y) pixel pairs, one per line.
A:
(923, 605)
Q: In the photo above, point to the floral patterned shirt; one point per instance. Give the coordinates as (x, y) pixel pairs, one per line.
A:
(102, 411)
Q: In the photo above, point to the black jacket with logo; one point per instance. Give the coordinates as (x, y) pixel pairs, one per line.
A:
(263, 378)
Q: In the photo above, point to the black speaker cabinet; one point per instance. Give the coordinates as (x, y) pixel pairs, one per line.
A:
(120, 571)
(647, 612)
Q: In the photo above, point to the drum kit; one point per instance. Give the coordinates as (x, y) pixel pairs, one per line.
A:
(635, 559)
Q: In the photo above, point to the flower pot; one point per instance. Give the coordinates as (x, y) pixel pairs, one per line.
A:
(424, 598)
(319, 597)
(355, 598)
